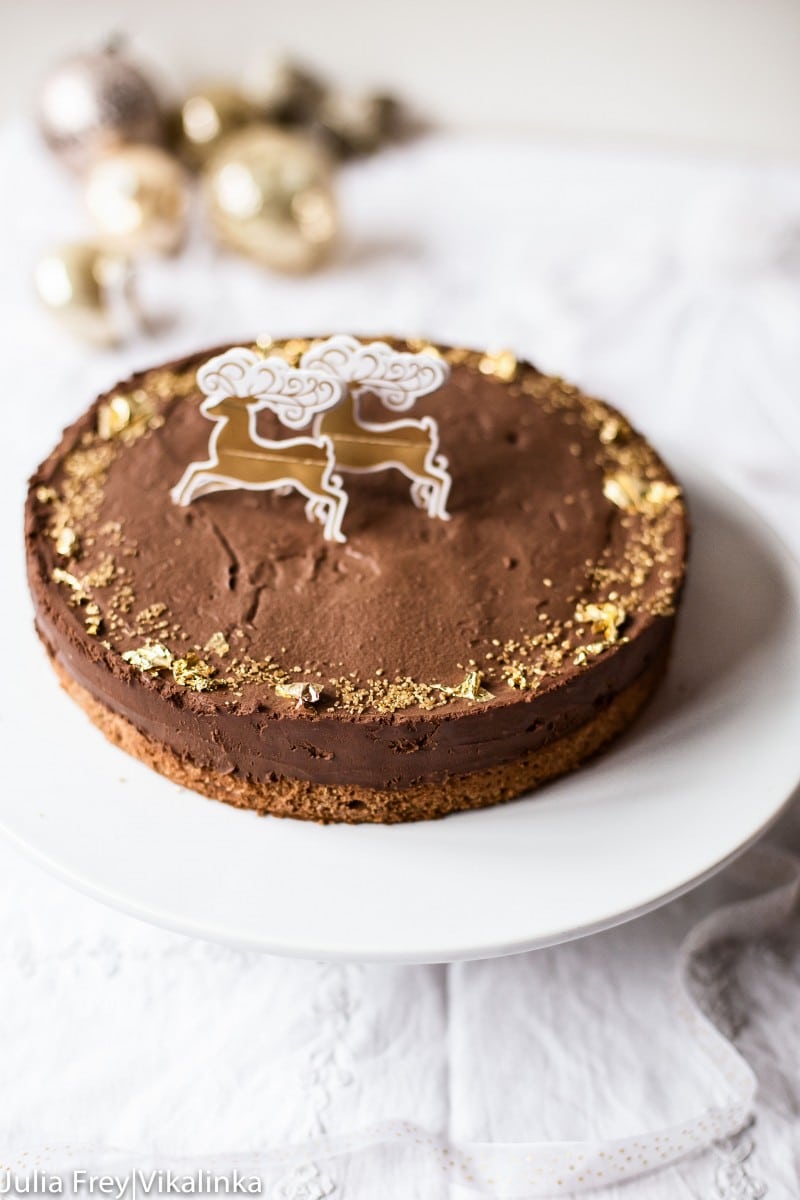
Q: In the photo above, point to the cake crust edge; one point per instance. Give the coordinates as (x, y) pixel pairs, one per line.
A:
(354, 804)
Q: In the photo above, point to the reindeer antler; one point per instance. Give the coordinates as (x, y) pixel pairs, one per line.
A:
(396, 377)
(294, 395)
(226, 374)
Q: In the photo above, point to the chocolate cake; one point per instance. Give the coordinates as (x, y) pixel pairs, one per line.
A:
(420, 666)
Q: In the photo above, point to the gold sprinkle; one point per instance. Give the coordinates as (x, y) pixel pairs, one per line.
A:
(102, 575)
(60, 576)
(93, 619)
(151, 619)
(217, 644)
(610, 430)
(502, 364)
(420, 346)
(46, 495)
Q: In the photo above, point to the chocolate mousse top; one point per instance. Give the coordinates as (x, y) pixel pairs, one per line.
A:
(566, 540)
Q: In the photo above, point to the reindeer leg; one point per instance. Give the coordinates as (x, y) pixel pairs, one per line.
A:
(430, 491)
(437, 506)
(203, 483)
(335, 504)
(183, 492)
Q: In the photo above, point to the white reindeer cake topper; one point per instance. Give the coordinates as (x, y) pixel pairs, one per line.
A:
(236, 385)
(326, 388)
(398, 378)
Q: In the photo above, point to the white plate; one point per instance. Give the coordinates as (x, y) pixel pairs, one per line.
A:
(706, 770)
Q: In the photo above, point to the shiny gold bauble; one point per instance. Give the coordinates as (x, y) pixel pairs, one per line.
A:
(89, 289)
(207, 115)
(358, 124)
(92, 103)
(270, 197)
(284, 92)
(138, 198)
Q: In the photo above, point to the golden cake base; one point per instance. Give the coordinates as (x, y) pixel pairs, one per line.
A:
(326, 803)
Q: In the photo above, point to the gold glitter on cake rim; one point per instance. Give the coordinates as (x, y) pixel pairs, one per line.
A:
(127, 417)
(189, 671)
(635, 494)
(502, 364)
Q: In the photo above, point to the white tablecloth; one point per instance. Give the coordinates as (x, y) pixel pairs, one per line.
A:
(673, 287)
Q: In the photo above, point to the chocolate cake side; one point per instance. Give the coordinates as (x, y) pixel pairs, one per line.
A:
(457, 663)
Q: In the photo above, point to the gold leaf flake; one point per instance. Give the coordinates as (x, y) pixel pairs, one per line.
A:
(591, 650)
(303, 693)
(113, 416)
(58, 575)
(605, 617)
(610, 430)
(421, 346)
(633, 494)
(152, 657)
(193, 672)
(67, 542)
(217, 644)
(127, 417)
(470, 688)
(502, 364)
(624, 490)
(660, 494)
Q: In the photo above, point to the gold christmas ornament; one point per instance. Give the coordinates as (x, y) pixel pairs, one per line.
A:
(138, 199)
(90, 291)
(285, 92)
(92, 103)
(270, 197)
(358, 124)
(206, 116)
